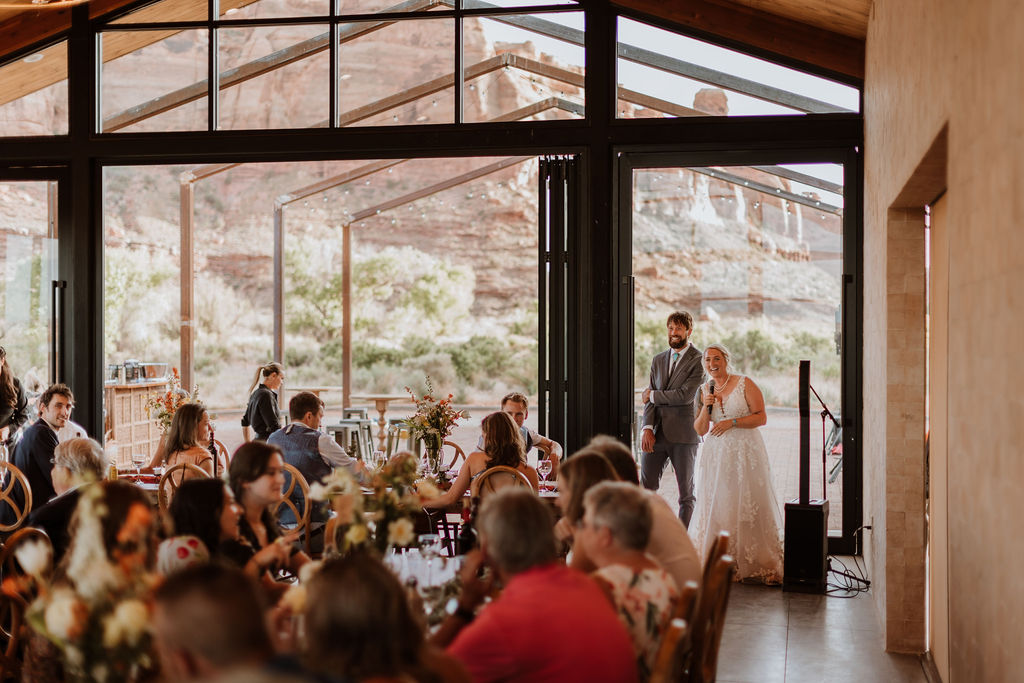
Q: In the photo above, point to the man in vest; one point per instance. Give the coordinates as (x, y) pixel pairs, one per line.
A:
(517, 407)
(311, 452)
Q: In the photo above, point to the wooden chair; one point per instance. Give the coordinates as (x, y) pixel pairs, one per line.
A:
(674, 650)
(12, 633)
(458, 456)
(172, 478)
(9, 563)
(666, 667)
(719, 548)
(11, 478)
(294, 478)
(495, 478)
(709, 621)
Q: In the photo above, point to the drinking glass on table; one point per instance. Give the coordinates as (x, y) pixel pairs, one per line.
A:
(377, 460)
(139, 459)
(430, 549)
(544, 469)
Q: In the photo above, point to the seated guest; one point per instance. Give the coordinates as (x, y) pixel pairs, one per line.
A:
(550, 623)
(517, 406)
(34, 453)
(502, 446)
(76, 463)
(311, 452)
(208, 623)
(206, 509)
(669, 543)
(615, 530)
(13, 403)
(359, 623)
(256, 477)
(188, 442)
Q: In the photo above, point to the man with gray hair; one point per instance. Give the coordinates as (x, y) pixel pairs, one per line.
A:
(550, 623)
(76, 463)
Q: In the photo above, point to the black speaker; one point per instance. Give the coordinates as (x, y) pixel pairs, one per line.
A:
(805, 565)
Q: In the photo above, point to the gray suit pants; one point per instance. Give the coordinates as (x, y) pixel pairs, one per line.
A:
(683, 456)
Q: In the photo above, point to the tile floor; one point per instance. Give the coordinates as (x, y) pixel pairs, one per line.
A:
(773, 636)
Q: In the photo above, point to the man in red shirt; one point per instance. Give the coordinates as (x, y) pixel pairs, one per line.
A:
(550, 623)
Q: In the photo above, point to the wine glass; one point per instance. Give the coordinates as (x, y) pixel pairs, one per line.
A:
(377, 460)
(544, 469)
(139, 459)
(430, 548)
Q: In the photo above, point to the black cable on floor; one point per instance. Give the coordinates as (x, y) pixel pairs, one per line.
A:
(847, 584)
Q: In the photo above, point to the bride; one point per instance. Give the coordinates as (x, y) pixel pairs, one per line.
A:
(734, 483)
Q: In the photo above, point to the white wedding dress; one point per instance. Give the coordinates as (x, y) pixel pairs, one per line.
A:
(734, 493)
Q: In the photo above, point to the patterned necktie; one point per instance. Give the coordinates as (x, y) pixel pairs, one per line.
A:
(672, 365)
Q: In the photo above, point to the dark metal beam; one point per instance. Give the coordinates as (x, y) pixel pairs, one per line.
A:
(728, 177)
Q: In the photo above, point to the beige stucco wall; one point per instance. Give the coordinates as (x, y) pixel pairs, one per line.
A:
(931, 64)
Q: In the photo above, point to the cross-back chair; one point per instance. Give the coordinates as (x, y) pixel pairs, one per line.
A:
(301, 509)
(13, 481)
(172, 478)
(495, 478)
(12, 633)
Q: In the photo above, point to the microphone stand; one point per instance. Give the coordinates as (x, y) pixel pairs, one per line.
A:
(825, 412)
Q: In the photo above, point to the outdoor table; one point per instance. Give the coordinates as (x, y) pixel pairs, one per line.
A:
(381, 404)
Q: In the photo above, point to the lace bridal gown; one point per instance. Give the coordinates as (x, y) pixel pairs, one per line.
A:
(734, 493)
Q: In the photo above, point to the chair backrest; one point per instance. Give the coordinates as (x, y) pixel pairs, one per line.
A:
(495, 478)
(12, 480)
(10, 565)
(172, 478)
(719, 547)
(357, 412)
(674, 649)
(222, 451)
(459, 454)
(666, 668)
(12, 621)
(294, 478)
(709, 621)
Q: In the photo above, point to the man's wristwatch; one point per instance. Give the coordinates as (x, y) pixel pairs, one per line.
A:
(734, 422)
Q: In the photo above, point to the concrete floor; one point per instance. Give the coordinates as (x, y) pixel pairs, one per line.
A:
(772, 636)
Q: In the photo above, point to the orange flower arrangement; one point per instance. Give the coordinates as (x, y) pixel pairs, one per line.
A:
(161, 407)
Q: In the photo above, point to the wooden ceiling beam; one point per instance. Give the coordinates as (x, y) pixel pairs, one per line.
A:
(756, 28)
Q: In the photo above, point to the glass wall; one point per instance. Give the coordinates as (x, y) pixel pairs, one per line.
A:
(755, 254)
(28, 258)
(34, 93)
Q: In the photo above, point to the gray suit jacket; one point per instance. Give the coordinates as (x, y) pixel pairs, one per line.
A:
(670, 410)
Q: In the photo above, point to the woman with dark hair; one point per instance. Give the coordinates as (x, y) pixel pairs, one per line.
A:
(187, 441)
(359, 624)
(256, 478)
(206, 509)
(12, 402)
(503, 445)
(261, 413)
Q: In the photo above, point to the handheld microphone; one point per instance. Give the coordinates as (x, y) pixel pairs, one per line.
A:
(711, 385)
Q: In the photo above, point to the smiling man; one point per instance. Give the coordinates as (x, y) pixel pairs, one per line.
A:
(668, 432)
(34, 453)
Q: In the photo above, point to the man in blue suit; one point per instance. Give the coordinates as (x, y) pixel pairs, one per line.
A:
(668, 432)
(34, 453)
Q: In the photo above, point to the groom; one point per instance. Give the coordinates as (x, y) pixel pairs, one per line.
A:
(668, 413)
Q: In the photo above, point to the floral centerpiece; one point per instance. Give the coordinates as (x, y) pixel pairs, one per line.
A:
(161, 407)
(380, 516)
(99, 617)
(433, 421)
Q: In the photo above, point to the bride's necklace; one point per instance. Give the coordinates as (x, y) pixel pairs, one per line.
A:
(724, 384)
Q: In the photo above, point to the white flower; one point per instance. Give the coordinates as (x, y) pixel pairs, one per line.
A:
(307, 570)
(426, 489)
(345, 508)
(126, 625)
(34, 557)
(100, 672)
(62, 614)
(74, 656)
(356, 534)
(401, 532)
